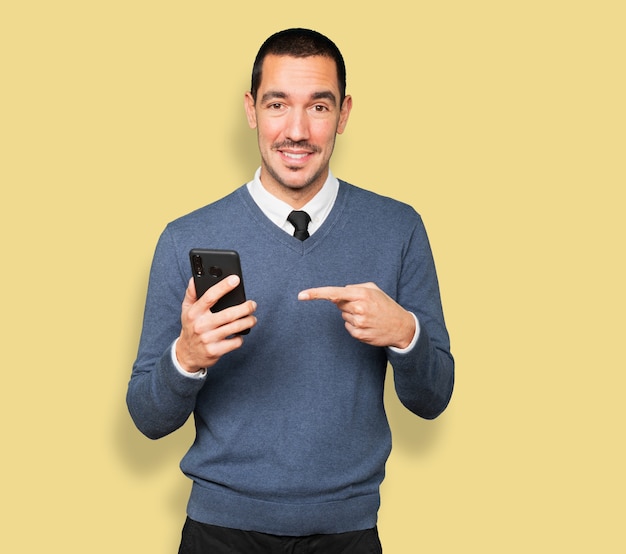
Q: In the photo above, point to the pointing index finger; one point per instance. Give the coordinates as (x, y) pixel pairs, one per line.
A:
(334, 294)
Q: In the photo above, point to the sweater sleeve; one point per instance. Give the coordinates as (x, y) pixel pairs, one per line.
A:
(424, 376)
(160, 399)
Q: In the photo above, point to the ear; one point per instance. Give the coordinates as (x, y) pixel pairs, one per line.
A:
(248, 103)
(346, 107)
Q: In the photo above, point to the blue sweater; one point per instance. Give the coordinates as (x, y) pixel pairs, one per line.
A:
(291, 432)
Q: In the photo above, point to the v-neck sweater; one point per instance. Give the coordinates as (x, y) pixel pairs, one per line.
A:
(291, 432)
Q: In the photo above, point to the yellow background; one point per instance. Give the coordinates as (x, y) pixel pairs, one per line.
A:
(503, 123)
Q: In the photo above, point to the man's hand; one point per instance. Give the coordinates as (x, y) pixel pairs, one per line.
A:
(205, 336)
(370, 315)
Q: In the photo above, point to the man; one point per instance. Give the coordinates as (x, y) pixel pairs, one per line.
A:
(291, 434)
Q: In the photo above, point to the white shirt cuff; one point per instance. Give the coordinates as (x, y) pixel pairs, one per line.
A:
(413, 342)
(197, 375)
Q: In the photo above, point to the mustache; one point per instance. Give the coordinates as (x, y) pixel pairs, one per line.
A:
(293, 144)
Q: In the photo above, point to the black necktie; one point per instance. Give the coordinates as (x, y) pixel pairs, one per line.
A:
(300, 220)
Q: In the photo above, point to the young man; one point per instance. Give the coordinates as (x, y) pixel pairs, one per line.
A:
(291, 434)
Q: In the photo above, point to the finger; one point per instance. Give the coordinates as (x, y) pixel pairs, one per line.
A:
(225, 346)
(215, 326)
(213, 294)
(369, 285)
(207, 354)
(334, 294)
(237, 326)
(233, 314)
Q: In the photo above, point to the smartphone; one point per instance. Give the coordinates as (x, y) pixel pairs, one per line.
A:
(209, 267)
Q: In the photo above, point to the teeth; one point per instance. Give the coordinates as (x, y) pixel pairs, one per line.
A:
(295, 156)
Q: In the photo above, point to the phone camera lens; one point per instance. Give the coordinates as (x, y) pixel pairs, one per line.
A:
(197, 265)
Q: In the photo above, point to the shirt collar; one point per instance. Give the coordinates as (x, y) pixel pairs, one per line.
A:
(277, 211)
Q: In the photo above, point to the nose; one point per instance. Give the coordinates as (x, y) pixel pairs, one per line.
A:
(297, 127)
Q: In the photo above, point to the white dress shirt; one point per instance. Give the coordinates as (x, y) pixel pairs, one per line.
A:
(277, 211)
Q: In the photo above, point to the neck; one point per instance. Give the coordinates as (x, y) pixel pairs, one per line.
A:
(296, 197)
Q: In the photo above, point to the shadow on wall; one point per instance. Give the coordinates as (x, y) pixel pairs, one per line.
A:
(244, 146)
(411, 435)
(145, 459)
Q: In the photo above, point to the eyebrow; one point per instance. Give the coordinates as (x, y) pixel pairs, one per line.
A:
(325, 95)
(321, 95)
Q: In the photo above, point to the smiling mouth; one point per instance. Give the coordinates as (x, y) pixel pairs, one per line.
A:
(295, 151)
(294, 156)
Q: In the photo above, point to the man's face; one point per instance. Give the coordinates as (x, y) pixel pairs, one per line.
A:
(297, 116)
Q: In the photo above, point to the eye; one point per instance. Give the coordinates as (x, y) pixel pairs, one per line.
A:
(320, 108)
(275, 106)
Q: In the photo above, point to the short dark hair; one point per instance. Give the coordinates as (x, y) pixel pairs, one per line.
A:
(298, 43)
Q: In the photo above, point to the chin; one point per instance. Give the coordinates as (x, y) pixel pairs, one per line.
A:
(296, 182)
(293, 178)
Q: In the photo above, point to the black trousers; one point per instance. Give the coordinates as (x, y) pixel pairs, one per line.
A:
(201, 538)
